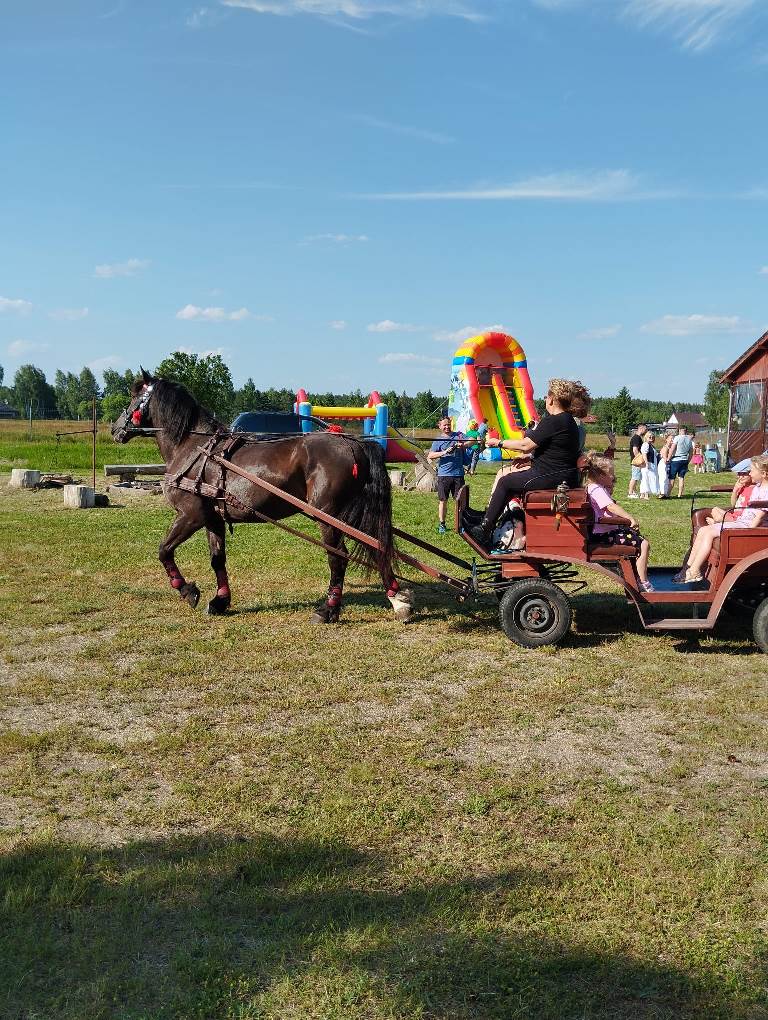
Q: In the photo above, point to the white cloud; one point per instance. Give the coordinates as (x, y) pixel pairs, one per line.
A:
(458, 336)
(419, 359)
(17, 348)
(696, 325)
(600, 333)
(697, 24)
(600, 186)
(388, 326)
(15, 305)
(763, 271)
(337, 324)
(405, 129)
(131, 267)
(361, 10)
(68, 314)
(336, 238)
(192, 313)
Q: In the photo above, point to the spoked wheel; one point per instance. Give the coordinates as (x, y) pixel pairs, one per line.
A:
(535, 612)
(760, 626)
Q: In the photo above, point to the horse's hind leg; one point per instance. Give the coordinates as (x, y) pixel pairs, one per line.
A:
(182, 528)
(217, 532)
(329, 611)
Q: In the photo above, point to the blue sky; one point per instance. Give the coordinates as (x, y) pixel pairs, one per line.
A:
(334, 193)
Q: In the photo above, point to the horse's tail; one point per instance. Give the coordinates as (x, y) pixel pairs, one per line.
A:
(370, 511)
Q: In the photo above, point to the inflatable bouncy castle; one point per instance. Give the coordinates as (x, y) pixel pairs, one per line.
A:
(490, 381)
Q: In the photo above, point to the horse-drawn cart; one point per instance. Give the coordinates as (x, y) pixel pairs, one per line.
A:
(214, 478)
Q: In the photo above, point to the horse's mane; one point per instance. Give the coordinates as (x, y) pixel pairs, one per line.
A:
(176, 411)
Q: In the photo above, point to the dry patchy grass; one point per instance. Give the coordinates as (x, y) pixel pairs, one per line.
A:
(253, 817)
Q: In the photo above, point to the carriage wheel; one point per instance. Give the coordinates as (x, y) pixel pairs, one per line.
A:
(535, 612)
(760, 626)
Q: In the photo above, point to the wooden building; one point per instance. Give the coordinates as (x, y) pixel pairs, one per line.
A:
(747, 379)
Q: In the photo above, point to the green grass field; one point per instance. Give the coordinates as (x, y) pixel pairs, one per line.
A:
(251, 817)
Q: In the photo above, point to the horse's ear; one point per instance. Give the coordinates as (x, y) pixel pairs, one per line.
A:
(146, 377)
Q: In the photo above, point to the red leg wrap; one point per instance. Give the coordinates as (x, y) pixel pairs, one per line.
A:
(173, 572)
(334, 596)
(393, 588)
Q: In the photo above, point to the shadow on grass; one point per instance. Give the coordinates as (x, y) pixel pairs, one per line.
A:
(218, 927)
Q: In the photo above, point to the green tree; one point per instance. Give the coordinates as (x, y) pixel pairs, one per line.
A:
(716, 401)
(67, 391)
(113, 406)
(619, 413)
(31, 389)
(117, 384)
(246, 397)
(206, 377)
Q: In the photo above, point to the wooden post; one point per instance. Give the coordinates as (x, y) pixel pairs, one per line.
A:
(93, 451)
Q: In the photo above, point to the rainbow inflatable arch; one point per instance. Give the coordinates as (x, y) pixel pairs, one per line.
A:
(489, 380)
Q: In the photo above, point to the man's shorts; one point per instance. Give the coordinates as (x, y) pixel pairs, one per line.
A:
(637, 474)
(678, 469)
(448, 485)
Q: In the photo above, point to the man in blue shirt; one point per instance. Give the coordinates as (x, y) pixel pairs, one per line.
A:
(450, 454)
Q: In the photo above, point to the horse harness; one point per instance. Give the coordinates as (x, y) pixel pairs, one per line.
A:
(227, 444)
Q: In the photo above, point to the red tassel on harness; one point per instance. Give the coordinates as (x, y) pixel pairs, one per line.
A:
(136, 417)
(354, 470)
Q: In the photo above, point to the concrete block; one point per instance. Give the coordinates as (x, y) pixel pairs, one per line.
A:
(23, 478)
(79, 497)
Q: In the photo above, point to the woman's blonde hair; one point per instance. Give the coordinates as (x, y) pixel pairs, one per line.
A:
(571, 395)
(761, 463)
(597, 465)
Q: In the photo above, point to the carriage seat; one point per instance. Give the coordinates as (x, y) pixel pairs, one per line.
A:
(574, 535)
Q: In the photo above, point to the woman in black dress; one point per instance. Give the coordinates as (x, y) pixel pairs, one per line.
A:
(554, 445)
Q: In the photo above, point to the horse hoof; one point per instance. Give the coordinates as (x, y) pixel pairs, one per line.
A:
(217, 606)
(320, 615)
(190, 593)
(402, 603)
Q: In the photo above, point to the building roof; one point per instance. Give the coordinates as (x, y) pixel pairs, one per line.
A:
(731, 373)
(693, 418)
(7, 411)
(589, 420)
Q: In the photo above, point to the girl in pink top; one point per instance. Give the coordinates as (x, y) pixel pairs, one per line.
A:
(600, 482)
(748, 517)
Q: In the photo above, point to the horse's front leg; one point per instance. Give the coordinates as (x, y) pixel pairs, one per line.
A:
(216, 529)
(182, 528)
(329, 611)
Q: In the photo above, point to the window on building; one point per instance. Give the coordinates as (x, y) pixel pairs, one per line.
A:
(748, 412)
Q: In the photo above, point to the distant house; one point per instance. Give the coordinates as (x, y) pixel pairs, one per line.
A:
(747, 379)
(692, 420)
(6, 411)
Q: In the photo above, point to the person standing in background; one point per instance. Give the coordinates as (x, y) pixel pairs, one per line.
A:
(649, 478)
(449, 452)
(682, 451)
(635, 442)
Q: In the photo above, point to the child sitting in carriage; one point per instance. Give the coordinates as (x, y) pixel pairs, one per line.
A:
(600, 483)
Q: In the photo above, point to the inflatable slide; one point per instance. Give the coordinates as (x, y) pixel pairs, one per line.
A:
(489, 380)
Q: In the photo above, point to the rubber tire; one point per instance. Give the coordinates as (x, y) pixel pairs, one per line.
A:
(527, 595)
(760, 626)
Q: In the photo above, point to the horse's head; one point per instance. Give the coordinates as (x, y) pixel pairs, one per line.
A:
(137, 416)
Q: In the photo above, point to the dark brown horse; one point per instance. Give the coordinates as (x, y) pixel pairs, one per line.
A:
(340, 475)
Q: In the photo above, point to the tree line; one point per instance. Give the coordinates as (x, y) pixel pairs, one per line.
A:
(210, 381)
